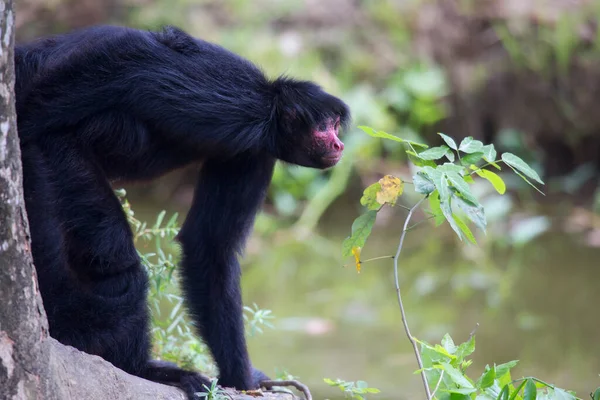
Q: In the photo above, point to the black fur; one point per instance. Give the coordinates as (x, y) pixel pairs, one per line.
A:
(111, 103)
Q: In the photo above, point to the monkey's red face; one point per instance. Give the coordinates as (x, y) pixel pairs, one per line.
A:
(314, 145)
(326, 148)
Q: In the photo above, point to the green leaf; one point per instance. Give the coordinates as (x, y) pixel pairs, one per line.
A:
(449, 141)
(450, 156)
(487, 378)
(465, 143)
(527, 181)
(159, 219)
(380, 134)
(466, 349)
(439, 180)
(596, 395)
(448, 344)
(419, 162)
(361, 229)
(463, 187)
(517, 390)
(434, 153)
(503, 393)
(493, 178)
(369, 197)
(520, 165)
(442, 350)
(530, 392)
(434, 204)
(422, 183)
(173, 221)
(469, 145)
(362, 384)
(464, 229)
(458, 378)
(475, 213)
(449, 167)
(447, 211)
(489, 153)
(472, 158)
(505, 368)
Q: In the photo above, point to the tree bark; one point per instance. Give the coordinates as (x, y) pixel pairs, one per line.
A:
(23, 326)
(33, 365)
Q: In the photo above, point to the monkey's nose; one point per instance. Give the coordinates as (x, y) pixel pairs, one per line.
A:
(338, 145)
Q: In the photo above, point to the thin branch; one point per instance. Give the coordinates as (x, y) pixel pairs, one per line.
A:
(267, 384)
(421, 221)
(375, 258)
(362, 262)
(438, 384)
(473, 331)
(485, 165)
(399, 296)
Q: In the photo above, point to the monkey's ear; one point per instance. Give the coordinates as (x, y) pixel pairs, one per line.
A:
(178, 40)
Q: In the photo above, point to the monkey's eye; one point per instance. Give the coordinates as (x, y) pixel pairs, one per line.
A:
(322, 126)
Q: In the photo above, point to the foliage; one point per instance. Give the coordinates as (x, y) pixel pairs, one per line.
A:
(445, 175)
(214, 392)
(256, 318)
(446, 365)
(352, 390)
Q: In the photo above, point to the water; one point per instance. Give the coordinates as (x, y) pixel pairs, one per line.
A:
(536, 304)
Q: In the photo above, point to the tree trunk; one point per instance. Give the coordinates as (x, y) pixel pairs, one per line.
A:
(23, 326)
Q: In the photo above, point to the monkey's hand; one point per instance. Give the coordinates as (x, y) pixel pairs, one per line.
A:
(257, 377)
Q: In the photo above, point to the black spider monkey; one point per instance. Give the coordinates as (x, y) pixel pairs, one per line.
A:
(113, 103)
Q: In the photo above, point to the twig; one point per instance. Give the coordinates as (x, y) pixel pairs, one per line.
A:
(421, 221)
(473, 331)
(485, 165)
(375, 258)
(300, 386)
(438, 384)
(399, 296)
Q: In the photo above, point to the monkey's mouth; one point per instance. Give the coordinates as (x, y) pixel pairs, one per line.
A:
(332, 159)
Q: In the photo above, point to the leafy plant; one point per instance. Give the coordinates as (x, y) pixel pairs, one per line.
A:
(443, 179)
(214, 392)
(446, 365)
(352, 390)
(256, 318)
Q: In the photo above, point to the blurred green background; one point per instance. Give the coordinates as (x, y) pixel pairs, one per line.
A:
(522, 74)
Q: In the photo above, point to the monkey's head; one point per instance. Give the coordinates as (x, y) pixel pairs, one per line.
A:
(309, 122)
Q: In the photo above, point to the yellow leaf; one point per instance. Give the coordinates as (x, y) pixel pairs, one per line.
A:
(391, 188)
(356, 253)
